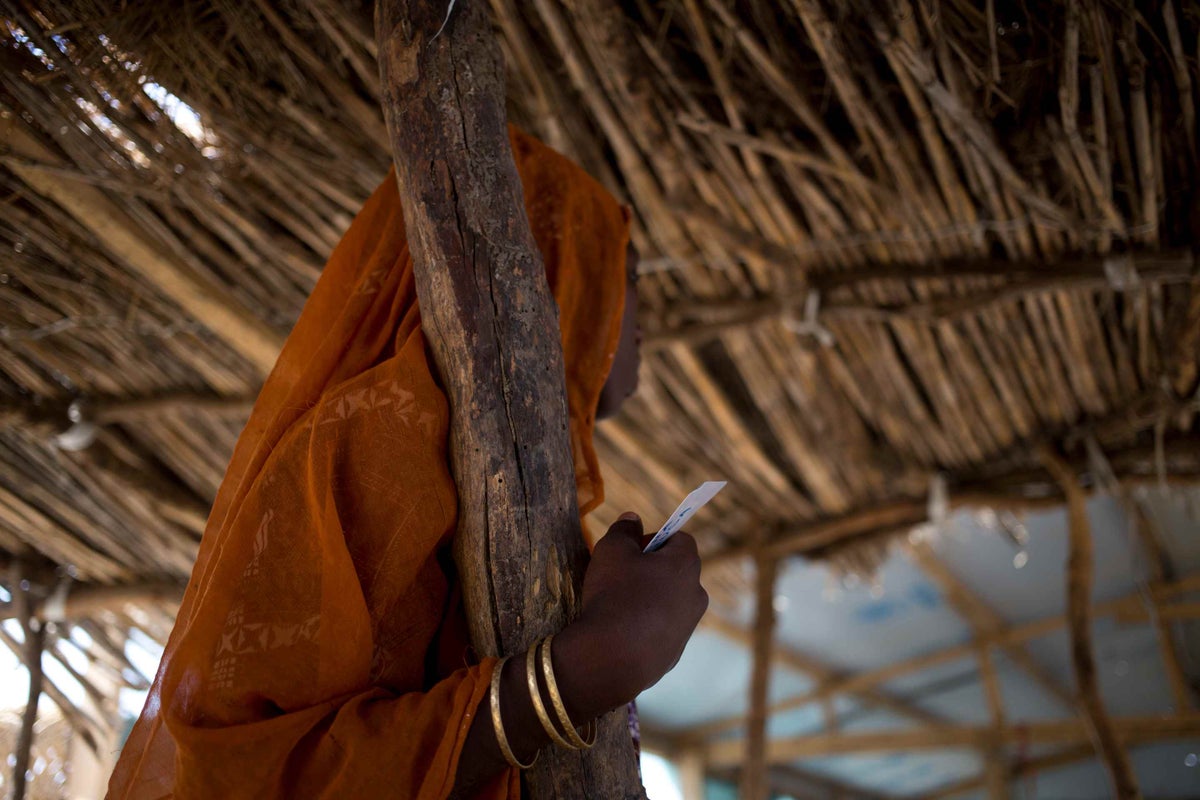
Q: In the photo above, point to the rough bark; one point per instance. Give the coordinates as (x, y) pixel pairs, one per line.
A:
(491, 323)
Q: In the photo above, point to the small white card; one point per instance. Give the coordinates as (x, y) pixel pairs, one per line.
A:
(690, 505)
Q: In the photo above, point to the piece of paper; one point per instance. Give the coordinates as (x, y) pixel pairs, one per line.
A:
(690, 505)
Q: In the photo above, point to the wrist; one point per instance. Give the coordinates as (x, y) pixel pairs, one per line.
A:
(591, 673)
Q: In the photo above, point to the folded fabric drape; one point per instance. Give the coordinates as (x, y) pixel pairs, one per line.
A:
(321, 650)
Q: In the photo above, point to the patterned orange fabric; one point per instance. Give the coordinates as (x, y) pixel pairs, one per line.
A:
(320, 650)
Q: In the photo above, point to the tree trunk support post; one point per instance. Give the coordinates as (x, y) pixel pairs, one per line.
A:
(490, 319)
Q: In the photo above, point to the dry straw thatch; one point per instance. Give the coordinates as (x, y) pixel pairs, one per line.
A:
(880, 241)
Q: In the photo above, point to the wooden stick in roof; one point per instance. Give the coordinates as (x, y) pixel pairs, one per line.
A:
(491, 323)
(1080, 565)
(35, 636)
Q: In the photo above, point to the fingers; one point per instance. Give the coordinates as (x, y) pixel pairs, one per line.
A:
(681, 545)
(626, 531)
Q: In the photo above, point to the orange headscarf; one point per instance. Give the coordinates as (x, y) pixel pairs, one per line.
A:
(320, 650)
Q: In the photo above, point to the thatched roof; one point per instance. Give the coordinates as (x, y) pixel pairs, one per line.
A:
(881, 242)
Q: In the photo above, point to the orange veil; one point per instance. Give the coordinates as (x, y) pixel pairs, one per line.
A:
(320, 650)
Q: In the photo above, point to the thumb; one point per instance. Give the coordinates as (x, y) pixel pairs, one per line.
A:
(627, 528)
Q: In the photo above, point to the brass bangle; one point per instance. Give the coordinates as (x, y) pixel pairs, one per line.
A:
(556, 700)
(498, 723)
(535, 695)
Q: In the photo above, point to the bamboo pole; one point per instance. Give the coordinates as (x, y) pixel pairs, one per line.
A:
(858, 683)
(984, 620)
(490, 321)
(789, 657)
(691, 774)
(1131, 730)
(995, 761)
(754, 773)
(1161, 571)
(35, 636)
(1061, 758)
(86, 599)
(1079, 621)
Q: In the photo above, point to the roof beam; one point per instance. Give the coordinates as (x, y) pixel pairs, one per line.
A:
(994, 757)
(796, 782)
(1131, 606)
(1160, 570)
(820, 672)
(131, 247)
(754, 773)
(979, 492)
(983, 619)
(1010, 282)
(1017, 770)
(1131, 730)
(1079, 580)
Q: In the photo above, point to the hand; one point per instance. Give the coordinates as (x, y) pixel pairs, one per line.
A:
(639, 610)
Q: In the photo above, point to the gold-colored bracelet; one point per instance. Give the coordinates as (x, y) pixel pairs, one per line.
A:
(535, 695)
(561, 710)
(498, 723)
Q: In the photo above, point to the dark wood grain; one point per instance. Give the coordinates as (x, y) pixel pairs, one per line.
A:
(492, 326)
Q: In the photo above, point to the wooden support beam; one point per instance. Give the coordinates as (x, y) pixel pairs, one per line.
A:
(863, 682)
(35, 637)
(1079, 621)
(795, 782)
(1130, 730)
(692, 774)
(994, 492)
(700, 322)
(1017, 770)
(984, 620)
(81, 600)
(994, 755)
(818, 671)
(88, 728)
(1159, 562)
(131, 247)
(491, 324)
(754, 772)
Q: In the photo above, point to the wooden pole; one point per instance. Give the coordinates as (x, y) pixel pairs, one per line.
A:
(1133, 730)
(1061, 758)
(994, 755)
(1128, 608)
(984, 620)
(1161, 571)
(35, 636)
(491, 323)
(1079, 627)
(754, 774)
(691, 774)
(818, 671)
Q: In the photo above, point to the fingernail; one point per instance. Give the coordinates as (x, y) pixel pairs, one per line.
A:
(629, 516)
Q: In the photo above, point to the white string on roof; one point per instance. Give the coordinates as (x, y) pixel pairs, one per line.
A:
(809, 325)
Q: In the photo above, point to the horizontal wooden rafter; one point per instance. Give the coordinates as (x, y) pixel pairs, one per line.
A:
(1130, 606)
(841, 299)
(1131, 730)
(993, 491)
